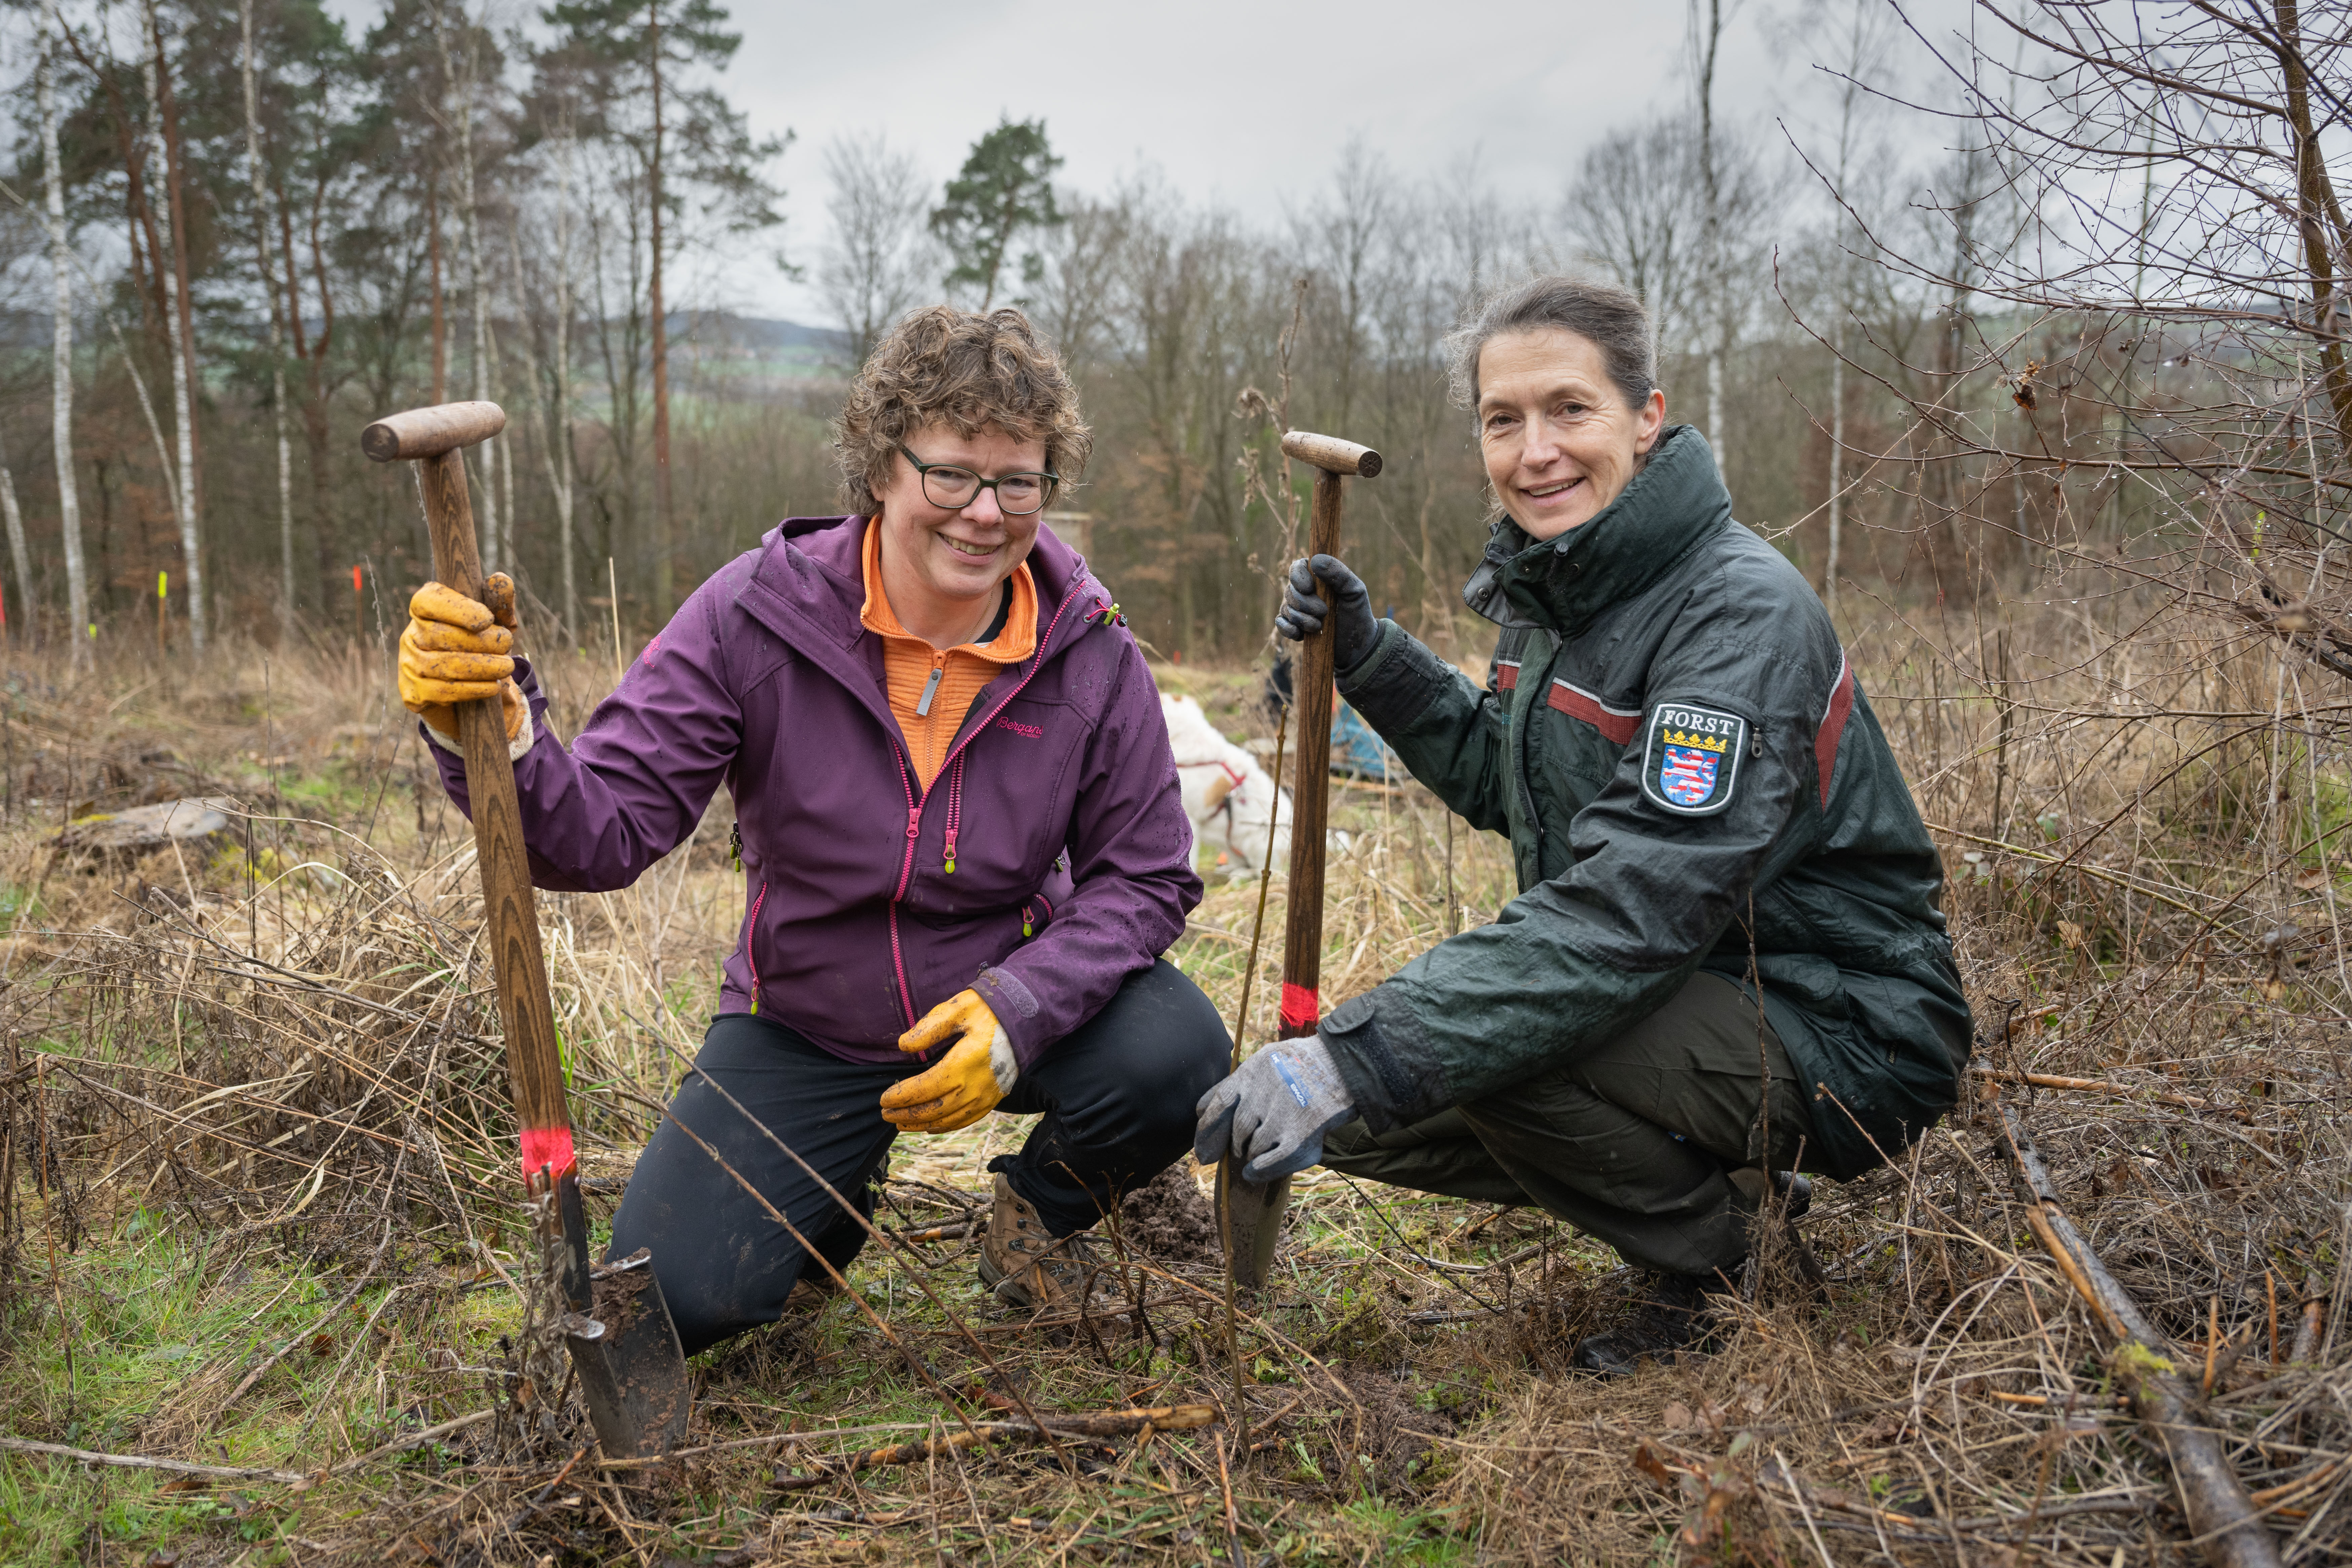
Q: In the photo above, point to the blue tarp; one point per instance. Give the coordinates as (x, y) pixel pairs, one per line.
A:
(1358, 753)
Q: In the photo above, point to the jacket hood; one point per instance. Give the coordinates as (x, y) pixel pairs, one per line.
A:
(1560, 584)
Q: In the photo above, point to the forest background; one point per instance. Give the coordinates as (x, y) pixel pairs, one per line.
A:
(262, 227)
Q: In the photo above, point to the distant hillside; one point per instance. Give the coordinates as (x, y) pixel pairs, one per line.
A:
(757, 334)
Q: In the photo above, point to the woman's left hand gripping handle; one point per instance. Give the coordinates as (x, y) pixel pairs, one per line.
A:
(457, 649)
(962, 1086)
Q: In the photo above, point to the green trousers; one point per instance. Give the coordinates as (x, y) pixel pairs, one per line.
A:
(1653, 1142)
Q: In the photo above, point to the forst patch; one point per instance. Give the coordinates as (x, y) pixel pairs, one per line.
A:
(1690, 759)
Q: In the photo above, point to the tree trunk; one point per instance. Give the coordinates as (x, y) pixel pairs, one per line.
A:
(1710, 36)
(314, 405)
(551, 431)
(559, 440)
(179, 329)
(497, 540)
(2316, 202)
(440, 317)
(61, 383)
(664, 527)
(277, 330)
(15, 519)
(1837, 457)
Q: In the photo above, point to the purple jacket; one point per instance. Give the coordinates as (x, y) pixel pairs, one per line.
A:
(852, 925)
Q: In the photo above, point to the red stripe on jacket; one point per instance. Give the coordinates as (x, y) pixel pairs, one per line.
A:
(1507, 677)
(1825, 740)
(1579, 703)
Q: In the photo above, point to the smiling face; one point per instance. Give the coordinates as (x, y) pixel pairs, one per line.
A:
(1559, 439)
(941, 567)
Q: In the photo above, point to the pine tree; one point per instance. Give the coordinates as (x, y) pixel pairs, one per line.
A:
(1006, 187)
(691, 139)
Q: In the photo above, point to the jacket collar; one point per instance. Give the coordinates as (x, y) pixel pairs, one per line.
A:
(1560, 584)
(817, 565)
(807, 585)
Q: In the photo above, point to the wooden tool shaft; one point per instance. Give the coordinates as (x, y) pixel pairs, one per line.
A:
(533, 1062)
(1302, 935)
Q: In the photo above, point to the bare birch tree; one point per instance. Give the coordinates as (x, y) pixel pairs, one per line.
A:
(263, 212)
(1636, 209)
(61, 336)
(879, 261)
(179, 329)
(498, 542)
(1854, 38)
(2177, 326)
(1707, 39)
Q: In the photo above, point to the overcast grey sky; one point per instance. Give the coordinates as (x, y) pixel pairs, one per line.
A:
(1241, 104)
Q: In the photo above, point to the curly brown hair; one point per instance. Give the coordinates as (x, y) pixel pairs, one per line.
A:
(968, 371)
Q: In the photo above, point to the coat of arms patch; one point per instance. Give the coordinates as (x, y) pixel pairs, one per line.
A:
(1690, 763)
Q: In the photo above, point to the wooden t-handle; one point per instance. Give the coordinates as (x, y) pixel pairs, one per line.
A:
(1331, 454)
(1302, 937)
(429, 432)
(534, 1065)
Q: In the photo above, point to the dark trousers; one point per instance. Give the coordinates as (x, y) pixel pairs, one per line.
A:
(1113, 1101)
(1653, 1142)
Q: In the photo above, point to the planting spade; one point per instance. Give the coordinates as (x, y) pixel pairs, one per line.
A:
(624, 1346)
(1250, 1213)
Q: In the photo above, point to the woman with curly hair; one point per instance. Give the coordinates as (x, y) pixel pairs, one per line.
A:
(962, 841)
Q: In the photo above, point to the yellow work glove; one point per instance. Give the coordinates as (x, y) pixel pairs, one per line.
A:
(457, 649)
(962, 1086)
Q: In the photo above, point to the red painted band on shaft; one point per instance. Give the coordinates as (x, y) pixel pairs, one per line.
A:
(1302, 1007)
(548, 1146)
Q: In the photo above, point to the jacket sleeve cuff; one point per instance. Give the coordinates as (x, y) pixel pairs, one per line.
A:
(1376, 1042)
(521, 742)
(1016, 1006)
(1394, 685)
(1363, 669)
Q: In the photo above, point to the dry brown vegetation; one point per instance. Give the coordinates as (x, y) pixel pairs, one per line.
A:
(259, 1077)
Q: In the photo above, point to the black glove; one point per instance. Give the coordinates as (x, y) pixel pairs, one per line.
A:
(1353, 629)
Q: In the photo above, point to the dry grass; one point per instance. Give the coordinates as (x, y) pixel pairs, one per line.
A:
(274, 1068)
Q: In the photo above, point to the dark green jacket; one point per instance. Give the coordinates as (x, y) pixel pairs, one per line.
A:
(1679, 753)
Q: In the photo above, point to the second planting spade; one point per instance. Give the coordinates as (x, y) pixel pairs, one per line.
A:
(1250, 1213)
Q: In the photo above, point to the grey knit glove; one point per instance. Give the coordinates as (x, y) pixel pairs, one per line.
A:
(1272, 1114)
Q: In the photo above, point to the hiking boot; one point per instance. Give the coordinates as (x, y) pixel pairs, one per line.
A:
(1026, 1265)
(1795, 1193)
(809, 1294)
(1669, 1314)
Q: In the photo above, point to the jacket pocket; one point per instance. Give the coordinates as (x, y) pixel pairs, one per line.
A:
(1808, 978)
(752, 944)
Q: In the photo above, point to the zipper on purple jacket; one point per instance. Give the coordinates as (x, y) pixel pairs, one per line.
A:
(906, 871)
(751, 946)
(955, 813)
(955, 801)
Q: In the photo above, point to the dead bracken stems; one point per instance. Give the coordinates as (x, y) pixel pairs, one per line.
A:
(1103, 1424)
(2221, 1515)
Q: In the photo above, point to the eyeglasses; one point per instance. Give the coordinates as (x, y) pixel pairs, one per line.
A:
(1018, 495)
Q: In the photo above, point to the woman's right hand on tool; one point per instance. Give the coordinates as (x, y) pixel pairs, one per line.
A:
(1271, 1114)
(457, 649)
(1353, 628)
